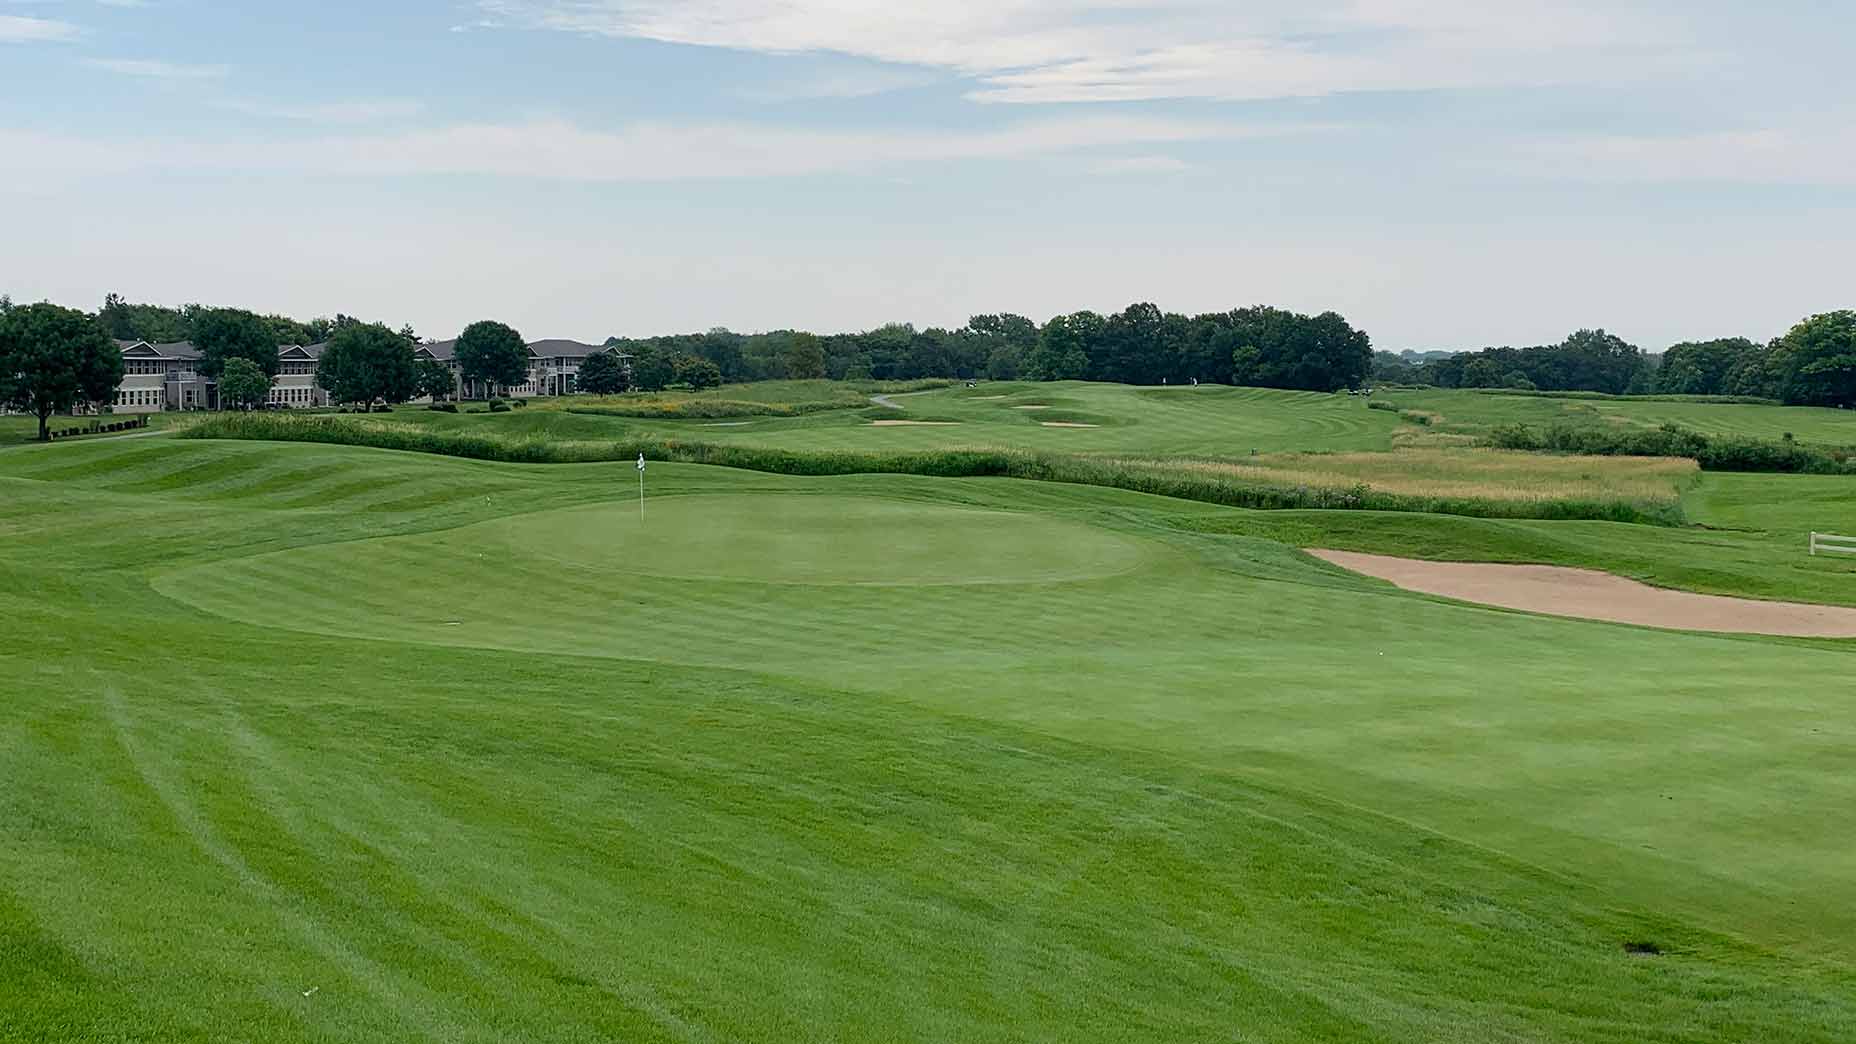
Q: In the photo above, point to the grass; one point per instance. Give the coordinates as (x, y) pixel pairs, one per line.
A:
(761, 399)
(309, 742)
(16, 429)
(1476, 412)
(1483, 484)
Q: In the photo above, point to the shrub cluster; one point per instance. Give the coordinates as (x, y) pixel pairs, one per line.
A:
(1713, 453)
(1154, 477)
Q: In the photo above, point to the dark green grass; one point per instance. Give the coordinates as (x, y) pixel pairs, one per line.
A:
(245, 753)
(546, 445)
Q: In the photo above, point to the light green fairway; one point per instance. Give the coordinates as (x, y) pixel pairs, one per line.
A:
(318, 743)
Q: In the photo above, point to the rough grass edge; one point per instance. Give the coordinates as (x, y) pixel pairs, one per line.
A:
(1141, 477)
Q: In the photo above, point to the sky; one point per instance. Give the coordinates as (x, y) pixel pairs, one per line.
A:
(1445, 173)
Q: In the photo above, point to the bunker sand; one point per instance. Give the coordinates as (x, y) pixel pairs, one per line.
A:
(1592, 595)
(912, 424)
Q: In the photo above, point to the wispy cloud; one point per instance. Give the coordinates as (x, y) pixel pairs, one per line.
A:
(846, 83)
(560, 151)
(157, 70)
(1120, 50)
(364, 110)
(1151, 164)
(1774, 155)
(20, 29)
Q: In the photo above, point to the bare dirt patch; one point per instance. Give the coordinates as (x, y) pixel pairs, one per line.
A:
(912, 424)
(1069, 424)
(1591, 595)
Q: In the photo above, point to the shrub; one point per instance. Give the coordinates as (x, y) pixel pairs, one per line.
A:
(498, 406)
(1723, 453)
(518, 403)
(1382, 405)
(444, 407)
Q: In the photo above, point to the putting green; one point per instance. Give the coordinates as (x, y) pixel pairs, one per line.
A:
(778, 539)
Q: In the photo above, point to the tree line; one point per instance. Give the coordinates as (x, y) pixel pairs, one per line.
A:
(1812, 364)
(1268, 347)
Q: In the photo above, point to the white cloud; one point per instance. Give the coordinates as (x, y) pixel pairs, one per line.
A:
(845, 83)
(1776, 155)
(366, 110)
(557, 150)
(1117, 50)
(20, 29)
(157, 70)
(1152, 164)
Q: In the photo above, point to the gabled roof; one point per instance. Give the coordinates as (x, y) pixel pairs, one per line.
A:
(138, 349)
(301, 351)
(561, 346)
(182, 350)
(443, 351)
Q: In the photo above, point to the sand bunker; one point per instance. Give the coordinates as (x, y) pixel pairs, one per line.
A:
(913, 424)
(984, 398)
(1592, 595)
(1033, 407)
(1069, 424)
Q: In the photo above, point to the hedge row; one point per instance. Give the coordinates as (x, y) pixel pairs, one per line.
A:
(1713, 453)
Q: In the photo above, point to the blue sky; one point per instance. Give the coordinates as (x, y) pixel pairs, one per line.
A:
(1446, 173)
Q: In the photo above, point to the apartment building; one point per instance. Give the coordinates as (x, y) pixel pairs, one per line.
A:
(160, 377)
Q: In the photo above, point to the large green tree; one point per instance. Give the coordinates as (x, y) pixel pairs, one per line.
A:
(242, 384)
(233, 333)
(804, 357)
(1062, 351)
(492, 352)
(1701, 367)
(652, 368)
(602, 374)
(367, 362)
(698, 372)
(54, 359)
(1819, 355)
(435, 379)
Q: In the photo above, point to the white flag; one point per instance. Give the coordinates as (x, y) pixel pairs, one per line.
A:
(640, 462)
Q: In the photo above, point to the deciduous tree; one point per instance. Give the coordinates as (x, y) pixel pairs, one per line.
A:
(492, 352)
(242, 384)
(233, 333)
(366, 362)
(698, 373)
(1820, 360)
(54, 359)
(601, 374)
(434, 379)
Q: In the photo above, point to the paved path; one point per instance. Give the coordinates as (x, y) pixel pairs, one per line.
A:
(884, 400)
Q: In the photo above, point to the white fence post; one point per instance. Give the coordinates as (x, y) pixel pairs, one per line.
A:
(1831, 542)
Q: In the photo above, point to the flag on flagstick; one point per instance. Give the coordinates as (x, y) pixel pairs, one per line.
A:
(641, 484)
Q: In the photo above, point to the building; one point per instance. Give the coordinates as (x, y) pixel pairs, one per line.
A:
(295, 387)
(160, 377)
(553, 368)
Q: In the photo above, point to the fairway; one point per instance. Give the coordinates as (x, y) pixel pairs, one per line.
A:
(471, 751)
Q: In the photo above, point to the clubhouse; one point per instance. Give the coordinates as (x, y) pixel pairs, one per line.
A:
(163, 377)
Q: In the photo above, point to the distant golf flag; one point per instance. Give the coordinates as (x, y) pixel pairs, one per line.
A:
(641, 485)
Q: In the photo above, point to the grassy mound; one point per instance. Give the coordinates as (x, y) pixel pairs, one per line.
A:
(1235, 485)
